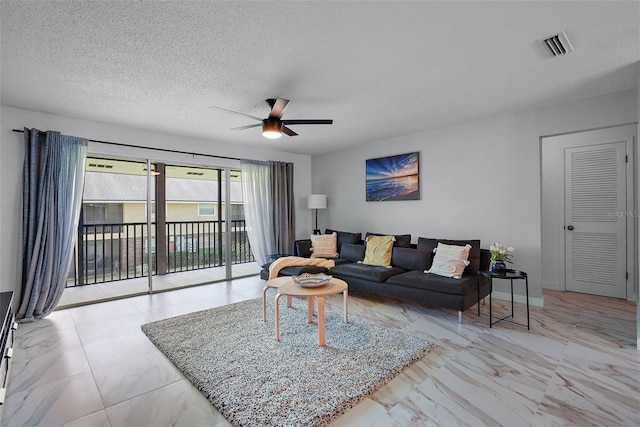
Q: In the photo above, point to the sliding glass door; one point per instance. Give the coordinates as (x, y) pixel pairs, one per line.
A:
(192, 231)
(204, 226)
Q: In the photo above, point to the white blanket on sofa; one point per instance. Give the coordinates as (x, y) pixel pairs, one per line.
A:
(294, 261)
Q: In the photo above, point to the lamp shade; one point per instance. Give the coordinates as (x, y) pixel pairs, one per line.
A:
(317, 201)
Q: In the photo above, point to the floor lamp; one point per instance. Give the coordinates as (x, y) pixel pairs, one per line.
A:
(317, 201)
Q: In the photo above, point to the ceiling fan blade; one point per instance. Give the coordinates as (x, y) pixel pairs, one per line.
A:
(279, 105)
(307, 122)
(288, 131)
(237, 112)
(247, 126)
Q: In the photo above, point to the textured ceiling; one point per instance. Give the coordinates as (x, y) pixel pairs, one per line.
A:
(379, 69)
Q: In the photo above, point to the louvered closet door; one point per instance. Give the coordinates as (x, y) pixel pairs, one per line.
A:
(595, 197)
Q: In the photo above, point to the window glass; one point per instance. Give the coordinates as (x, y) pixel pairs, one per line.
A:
(206, 209)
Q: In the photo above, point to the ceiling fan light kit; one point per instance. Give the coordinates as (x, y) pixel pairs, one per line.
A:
(273, 126)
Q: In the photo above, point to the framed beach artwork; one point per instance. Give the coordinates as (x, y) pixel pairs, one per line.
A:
(393, 178)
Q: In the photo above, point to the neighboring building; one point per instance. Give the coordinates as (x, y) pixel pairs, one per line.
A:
(111, 198)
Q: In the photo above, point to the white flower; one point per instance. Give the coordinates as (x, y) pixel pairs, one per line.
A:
(500, 252)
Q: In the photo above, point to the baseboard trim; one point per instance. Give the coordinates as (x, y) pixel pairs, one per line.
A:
(552, 285)
(520, 299)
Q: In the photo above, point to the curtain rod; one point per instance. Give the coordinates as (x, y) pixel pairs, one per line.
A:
(151, 148)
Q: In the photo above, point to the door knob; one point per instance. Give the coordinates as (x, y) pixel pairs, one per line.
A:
(570, 227)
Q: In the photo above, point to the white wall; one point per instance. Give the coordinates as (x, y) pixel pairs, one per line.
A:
(637, 155)
(592, 113)
(12, 152)
(478, 179)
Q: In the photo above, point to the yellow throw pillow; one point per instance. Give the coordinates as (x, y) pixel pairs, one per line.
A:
(324, 245)
(450, 260)
(379, 249)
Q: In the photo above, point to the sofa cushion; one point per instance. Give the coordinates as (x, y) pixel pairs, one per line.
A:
(431, 282)
(372, 273)
(324, 245)
(345, 237)
(378, 250)
(410, 259)
(402, 240)
(427, 245)
(302, 248)
(450, 260)
(352, 252)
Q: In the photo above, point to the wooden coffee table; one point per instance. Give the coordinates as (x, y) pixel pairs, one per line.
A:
(273, 283)
(334, 286)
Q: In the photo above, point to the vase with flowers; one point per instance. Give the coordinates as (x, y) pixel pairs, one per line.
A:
(500, 255)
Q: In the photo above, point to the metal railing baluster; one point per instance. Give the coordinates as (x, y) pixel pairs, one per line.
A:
(195, 246)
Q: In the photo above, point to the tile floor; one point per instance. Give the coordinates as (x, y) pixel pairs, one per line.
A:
(92, 366)
(80, 295)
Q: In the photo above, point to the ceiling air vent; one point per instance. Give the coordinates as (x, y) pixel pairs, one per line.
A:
(557, 45)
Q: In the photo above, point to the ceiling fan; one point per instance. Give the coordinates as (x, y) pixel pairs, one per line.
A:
(274, 125)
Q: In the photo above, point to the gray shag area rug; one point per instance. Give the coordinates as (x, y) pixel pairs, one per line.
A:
(232, 357)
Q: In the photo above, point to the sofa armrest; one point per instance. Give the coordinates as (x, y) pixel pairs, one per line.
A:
(302, 248)
(485, 259)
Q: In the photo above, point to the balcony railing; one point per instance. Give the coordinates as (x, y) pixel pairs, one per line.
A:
(111, 252)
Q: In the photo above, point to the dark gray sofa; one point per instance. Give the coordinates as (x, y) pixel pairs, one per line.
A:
(405, 279)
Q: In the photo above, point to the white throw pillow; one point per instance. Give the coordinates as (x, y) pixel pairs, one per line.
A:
(324, 245)
(450, 260)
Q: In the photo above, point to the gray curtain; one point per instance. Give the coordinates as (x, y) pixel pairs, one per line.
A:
(267, 189)
(283, 207)
(54, 166)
